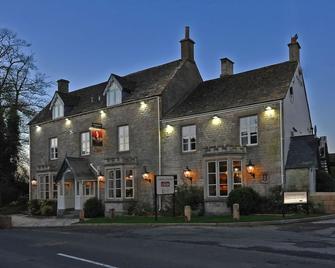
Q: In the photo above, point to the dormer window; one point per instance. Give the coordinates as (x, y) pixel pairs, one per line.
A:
(58, 109)
(114, 96)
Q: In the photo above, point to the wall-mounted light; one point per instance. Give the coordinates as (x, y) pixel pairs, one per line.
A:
(169, 129)
(143, 106)
(38, 128)
(251, 168)
(269, 111)
(188, 174)
(146, 174)
(101, 177)
(33, 182)
(102, 114)
(216, 120)
(67, 121)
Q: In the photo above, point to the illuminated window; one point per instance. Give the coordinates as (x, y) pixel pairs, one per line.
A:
(129, 183)
(237, 174)
(53, 148)
(123, 133)
(249, 130)
(85, 143)
(89, 188)
(189, 138)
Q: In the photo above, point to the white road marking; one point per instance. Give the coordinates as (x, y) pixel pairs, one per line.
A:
(85, 260)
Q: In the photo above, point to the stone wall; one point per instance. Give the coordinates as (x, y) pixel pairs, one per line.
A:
(327, 201)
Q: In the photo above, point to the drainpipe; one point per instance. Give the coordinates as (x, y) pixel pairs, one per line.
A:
(281, 145)
(159, 137)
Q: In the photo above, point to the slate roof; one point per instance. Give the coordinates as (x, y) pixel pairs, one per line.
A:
(80, 168)
(303, 152)
(256, 86)
(146, 83)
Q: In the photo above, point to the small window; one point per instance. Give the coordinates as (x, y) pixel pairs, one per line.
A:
(58, 109)
(85, 143)
(89, 188)
(53, 148)
(237, 174)
(189, 138)
(114, 96)
(123, 133)
(129, 184)
(249, 130)
(44, 186)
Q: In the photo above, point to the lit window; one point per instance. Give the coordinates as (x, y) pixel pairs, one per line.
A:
(53, 148)
(114, 96)
(129, 183)
(189, 138)
(114, 183)
(89, 188)
(123, 133)
(237, 174)
(249, 130)
(58, 109)
(85, 143)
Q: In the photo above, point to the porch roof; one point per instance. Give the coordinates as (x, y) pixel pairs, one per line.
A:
(80, 168)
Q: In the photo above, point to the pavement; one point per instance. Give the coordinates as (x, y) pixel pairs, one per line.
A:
(292, 245)
(21, 220)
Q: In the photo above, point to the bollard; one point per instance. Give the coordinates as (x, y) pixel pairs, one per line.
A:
(187, 213)
(236, 212)
(81, 215)
(5, 222)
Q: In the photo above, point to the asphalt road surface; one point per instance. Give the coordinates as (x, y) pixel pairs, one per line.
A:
(297, 245)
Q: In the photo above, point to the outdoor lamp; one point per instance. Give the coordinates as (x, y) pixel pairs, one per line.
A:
(187, 173)
(101, 177)
(146, 174)
(251, 169)
(33, 182)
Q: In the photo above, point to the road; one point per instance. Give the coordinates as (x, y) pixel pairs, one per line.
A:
(294, 245)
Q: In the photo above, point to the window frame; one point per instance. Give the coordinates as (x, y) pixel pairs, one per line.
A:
(126, 177)
(58, 109)
(113, 181)
(125, 140)
(113, 96)
(50, 188)
(188, 137)
(87, 141)
(248, 130)
(53, 151)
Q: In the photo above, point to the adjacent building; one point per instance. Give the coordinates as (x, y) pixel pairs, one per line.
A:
(226, 132)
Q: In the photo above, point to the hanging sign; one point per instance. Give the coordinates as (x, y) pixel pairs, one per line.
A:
(97, 136)
(165, 184)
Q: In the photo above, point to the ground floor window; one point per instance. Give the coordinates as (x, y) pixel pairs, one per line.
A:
(222, 176)
(89, 188)
(129, 183)
(114, 183)
(47, 187)
(120, 183)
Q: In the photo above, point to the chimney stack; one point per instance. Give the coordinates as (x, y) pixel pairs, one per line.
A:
(63, 85)
(294, 49)
(187, 46)
(227, 67)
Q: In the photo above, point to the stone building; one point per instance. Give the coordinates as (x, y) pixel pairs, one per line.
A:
(226, 132)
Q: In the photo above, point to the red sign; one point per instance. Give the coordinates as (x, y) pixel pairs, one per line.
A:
(97, 136)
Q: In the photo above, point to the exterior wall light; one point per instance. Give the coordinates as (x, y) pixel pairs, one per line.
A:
(33, 182)
(269, 111)
(38, 128)
(146, 174)
(169, 129)
(187, 173)
(143, 106)
(251, 168)
(67, 121)
(216, 120)
(101, 177)
(102, 114)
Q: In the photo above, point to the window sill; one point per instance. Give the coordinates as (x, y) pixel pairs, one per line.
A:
(189, 152)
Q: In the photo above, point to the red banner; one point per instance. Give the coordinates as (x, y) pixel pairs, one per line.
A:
(97, 135)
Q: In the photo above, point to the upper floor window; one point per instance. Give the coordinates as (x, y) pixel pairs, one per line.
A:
(58, 109)
(85, 143)
(189, 138)
(114, 96)
(123, 138)
(53, 148)
(249, 130)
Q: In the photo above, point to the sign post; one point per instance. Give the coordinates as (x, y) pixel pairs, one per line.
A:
(295, 198)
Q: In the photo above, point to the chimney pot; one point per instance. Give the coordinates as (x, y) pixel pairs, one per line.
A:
(63, 85)
(187, 46)
(187, 32)
(294, 49)
(227, 67)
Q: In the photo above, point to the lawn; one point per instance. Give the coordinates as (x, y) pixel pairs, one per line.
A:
(196, 219)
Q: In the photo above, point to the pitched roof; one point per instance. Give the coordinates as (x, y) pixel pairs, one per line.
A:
(146, 83)
(80, 168)
(256, 86)
(303, 152)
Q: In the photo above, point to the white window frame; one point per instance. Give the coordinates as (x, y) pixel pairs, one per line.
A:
(58, 109)
(129, 176)
(111, 184)
(91, 188)
(114, 96)
(85, 143)
(53, 148)
(187, 134)
(123, 138)
(46, 190)
(238, 173)
(248, 129)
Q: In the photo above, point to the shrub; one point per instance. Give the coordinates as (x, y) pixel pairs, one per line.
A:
(93, 208)
(34, 206)
(139, 209)
(272, 203)
(324, 182)
(189, 196)
(48, 208)
(246, 197)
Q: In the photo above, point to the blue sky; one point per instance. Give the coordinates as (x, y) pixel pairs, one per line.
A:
(84, 41)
